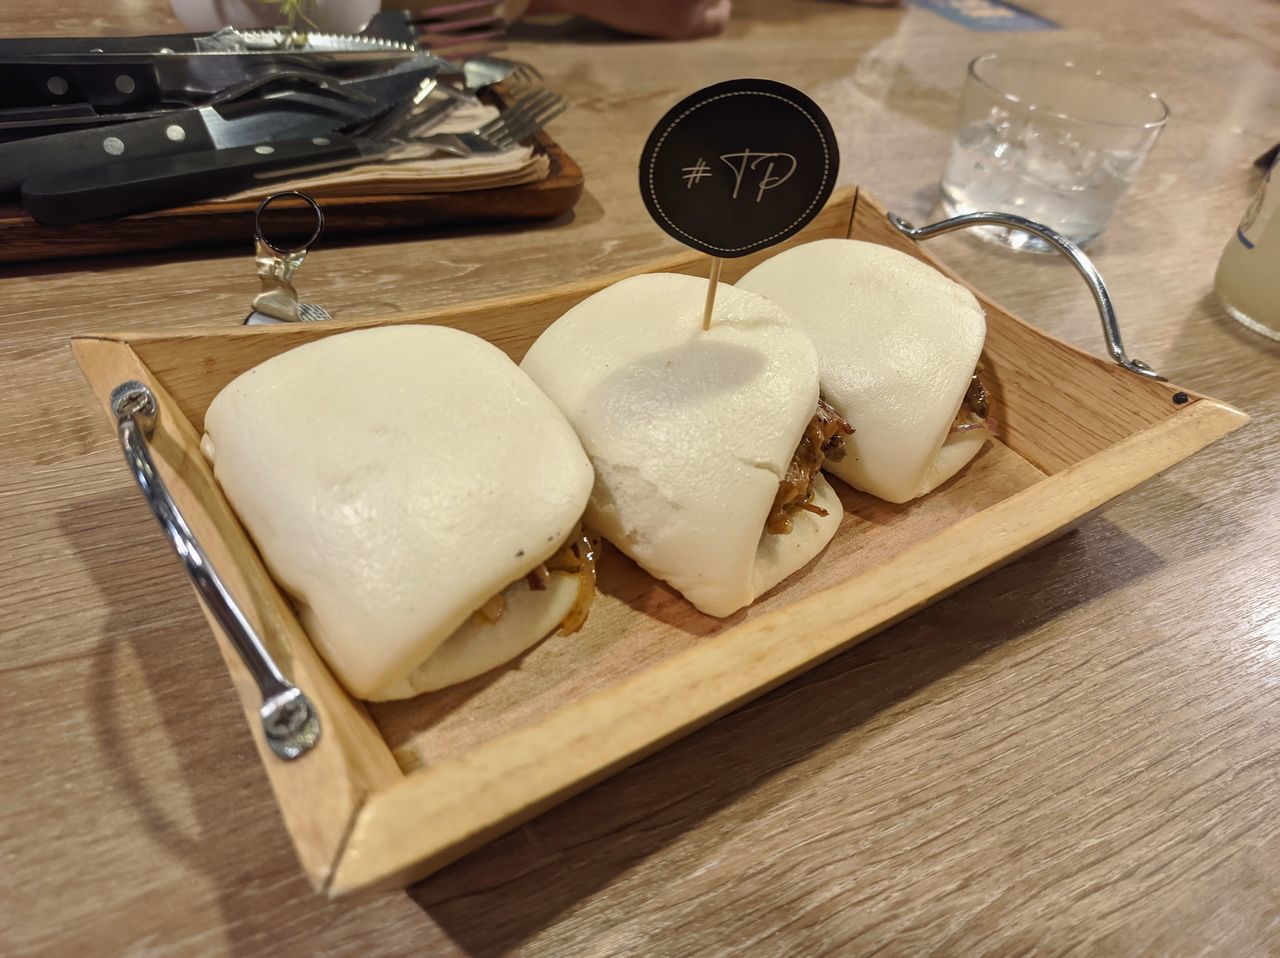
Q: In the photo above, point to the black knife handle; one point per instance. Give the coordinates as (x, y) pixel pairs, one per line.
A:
(105, 84)
(181, 131)
(98, 192)
(55, 46)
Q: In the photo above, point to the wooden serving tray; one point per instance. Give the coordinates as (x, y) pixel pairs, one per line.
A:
(22, 239)
(396, 790)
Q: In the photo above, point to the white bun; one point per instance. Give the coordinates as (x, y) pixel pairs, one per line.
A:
(480, 645)
(898, 342)
(395, 479)
(689, 430)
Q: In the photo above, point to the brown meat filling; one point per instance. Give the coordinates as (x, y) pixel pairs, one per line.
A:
(823, 439)
(974, 410)
(576, 557)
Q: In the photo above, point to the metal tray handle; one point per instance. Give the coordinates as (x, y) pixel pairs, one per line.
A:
(289, 721)
(1084, 266)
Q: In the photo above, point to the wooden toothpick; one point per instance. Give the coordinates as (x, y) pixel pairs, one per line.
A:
(716, 263)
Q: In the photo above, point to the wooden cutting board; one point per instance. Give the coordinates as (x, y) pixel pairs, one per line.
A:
(22, 239)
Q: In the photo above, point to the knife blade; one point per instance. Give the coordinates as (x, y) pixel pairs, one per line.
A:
(229, 125)
(226, 40)
(305, 41)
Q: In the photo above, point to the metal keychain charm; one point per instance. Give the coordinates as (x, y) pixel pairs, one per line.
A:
(278, 300)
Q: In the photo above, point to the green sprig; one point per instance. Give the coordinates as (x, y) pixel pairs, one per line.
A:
(292, 10)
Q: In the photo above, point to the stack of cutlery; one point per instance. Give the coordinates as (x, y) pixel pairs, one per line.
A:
(92, 127)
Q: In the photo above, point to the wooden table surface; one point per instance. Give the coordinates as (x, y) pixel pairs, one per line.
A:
(1078, 754)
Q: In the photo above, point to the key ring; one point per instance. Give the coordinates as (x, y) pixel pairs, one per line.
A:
(262, 208)
(278, 300)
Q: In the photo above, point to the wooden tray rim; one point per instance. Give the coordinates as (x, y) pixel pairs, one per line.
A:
(510, 779)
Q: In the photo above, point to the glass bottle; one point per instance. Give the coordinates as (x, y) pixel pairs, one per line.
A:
(1248, 277)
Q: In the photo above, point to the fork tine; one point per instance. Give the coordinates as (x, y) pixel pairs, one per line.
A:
(528, 73)
(535, 119)
(493, 126)
(551, 112)
(526, 97)
(510, 131)
(523, 127)
(528, 103)
(518, 107)
(495, 131)
(548, 103)
(534, 103)
(535, 123)
(522, 75)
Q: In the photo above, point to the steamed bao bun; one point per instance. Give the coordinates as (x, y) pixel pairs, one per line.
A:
(898, 342)
(689, 431)
(394, 480)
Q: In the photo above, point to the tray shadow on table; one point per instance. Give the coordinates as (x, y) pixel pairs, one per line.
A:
(506, 892)
(185, 679)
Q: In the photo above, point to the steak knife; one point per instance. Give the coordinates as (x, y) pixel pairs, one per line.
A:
(118, 80)
(253, 121)
(226, 40)
(82, 195)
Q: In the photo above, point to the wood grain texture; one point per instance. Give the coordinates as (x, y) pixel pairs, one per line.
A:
(318, 797)
(200, 225)
(640, 622)
(194, 364)
(1076, 755)
(647, 667)
(578, 745)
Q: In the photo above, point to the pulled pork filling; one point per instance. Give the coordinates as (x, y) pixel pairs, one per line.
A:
(576, 557)
(976, 405)
(823, 439)
(493, 609)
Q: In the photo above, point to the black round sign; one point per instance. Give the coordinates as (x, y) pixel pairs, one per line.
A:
(739, 166)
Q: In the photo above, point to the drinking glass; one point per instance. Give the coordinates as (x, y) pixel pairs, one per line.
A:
(1055, 143)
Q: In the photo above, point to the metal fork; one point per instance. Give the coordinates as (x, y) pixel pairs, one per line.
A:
(527, 114)
(408, 131)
